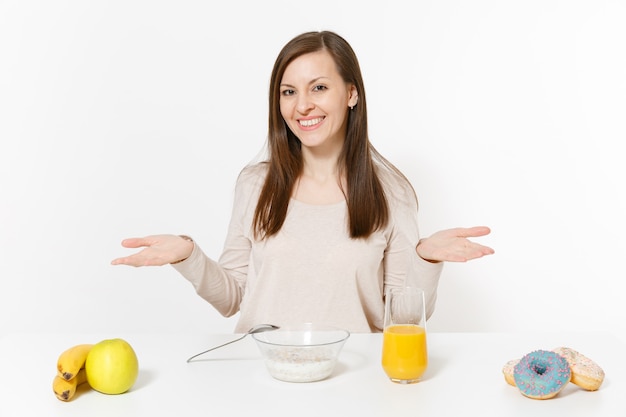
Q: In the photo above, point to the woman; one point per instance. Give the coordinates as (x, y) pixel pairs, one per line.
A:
(326, 224)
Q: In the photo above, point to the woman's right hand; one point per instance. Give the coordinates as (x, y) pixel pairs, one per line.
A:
(158, 250)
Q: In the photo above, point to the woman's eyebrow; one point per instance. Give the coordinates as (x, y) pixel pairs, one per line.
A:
(313, 81)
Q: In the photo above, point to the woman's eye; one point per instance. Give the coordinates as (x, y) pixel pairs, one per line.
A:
(287, 92)
(319, 88)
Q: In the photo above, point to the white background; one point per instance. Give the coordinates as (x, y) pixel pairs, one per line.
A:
(128, 118)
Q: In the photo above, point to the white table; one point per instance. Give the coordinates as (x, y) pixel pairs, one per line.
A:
(464, 376)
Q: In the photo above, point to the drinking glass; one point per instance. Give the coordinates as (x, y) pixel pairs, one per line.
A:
(404, 353)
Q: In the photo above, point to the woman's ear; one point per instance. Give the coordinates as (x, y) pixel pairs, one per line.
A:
(353, 97)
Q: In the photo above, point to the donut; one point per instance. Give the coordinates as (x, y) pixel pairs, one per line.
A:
(541, 374)
(585, 373)
(508, 370)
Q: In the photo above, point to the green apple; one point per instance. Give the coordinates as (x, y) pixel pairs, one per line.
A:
(111, 366)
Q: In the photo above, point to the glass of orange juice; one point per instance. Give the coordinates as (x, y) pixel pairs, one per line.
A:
(404, 356)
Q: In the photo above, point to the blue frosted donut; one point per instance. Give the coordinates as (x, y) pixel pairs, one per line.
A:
(541, 374)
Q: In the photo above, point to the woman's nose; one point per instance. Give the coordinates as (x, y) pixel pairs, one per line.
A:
(304, 104)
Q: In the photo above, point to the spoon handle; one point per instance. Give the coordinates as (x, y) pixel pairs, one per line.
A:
(216, 347)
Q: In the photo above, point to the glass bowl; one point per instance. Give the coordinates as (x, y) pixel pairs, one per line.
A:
(301, 353)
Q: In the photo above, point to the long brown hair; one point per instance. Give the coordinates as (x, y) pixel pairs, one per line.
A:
(365, 197)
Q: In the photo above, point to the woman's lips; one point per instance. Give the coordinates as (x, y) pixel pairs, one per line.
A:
(310, 122)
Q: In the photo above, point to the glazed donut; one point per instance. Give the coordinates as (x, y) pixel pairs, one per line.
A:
(585, 372)
(541, 374)
(508, 370)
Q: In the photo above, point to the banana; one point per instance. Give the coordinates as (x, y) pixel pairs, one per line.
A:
(72, 360)
(64, 389)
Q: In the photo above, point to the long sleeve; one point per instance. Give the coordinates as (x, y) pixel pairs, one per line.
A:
(403, 266)
(223, 283)
(312, 270)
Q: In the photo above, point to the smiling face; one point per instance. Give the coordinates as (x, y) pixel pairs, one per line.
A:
(314, 101)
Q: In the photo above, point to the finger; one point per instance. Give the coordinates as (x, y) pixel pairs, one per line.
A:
(133, 260)
(478, 251)
(136, 242)
(475, 231)
(138, 261)
(486, 250)
(124, 261)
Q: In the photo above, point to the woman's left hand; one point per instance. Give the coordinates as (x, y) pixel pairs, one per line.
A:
(453, 245)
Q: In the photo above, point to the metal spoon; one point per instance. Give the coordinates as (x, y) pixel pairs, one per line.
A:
(255, 329)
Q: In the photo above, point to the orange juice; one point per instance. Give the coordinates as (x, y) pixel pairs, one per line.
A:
(405, 356)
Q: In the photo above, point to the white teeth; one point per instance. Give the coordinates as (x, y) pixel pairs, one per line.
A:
(311, 122)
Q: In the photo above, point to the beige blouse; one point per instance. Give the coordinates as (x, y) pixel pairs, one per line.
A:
(312, 271)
